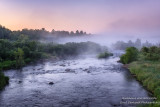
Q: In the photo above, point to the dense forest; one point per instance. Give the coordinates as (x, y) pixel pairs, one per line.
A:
(145, 65)
(19, 48)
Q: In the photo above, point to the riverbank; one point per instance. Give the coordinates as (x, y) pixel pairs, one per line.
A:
(147, 72)
(4, 80)
(7, 65)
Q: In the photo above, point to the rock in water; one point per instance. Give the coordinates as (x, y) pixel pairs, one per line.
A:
(68, 70)
(19, 82)
(62, 65)
(51, 83)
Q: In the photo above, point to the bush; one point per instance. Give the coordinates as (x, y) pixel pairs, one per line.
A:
(3, 80)
(7, 64)
(157, 92)
(130, 55)
(104, 55)
(151, 53)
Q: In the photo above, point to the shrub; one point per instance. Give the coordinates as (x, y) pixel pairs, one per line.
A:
(151, 53)
(104, 55)
(157, 92)
(130, 55)
(3, 80)
(7, 64)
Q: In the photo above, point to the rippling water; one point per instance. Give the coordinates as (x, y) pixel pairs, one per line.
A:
(81, 82)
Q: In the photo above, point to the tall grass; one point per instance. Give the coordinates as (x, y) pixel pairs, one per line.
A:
(148, 72)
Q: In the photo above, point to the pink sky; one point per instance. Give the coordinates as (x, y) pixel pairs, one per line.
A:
(93, 16)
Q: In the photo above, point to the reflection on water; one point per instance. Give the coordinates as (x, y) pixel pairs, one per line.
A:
(82, 82)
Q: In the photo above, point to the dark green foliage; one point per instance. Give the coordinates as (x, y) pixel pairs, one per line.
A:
(18, 53)
(157, 92)
(7, 64)
(130, 55)
(3, 80)
(18, 48)
(19, 57)
(152, 53)
(4, 33)
(104, 55)
(145, 50)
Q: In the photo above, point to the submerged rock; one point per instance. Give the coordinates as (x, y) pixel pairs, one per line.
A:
(19, 82)
(51, 83)
(68, 70)
(85, 70)
(39, 68)
(62, 65)
(88, 71)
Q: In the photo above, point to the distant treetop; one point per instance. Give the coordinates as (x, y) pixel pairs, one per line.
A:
(38, 33)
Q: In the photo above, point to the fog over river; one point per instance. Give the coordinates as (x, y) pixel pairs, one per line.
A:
(81, 82)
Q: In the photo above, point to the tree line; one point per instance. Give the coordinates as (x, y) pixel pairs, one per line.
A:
(36, 34)
(121, 45)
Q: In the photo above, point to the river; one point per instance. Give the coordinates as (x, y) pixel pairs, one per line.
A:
(81, 82)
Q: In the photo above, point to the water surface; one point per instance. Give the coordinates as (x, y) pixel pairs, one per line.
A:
(81, 82)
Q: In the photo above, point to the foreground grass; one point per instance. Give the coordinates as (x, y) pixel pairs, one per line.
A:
(148, 72)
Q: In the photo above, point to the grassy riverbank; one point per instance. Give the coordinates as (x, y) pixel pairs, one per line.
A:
(147, 72)
(146, 68)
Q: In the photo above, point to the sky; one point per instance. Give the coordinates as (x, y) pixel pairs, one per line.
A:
(123, 17)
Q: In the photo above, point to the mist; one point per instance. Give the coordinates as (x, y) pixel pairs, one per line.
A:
(107, 39)
(79, 53)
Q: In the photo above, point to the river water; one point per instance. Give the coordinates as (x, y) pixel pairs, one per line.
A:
(81, 82)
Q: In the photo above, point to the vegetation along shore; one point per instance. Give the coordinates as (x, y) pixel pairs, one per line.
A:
(145, 65)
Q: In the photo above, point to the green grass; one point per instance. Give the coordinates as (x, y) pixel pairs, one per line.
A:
(148, 72)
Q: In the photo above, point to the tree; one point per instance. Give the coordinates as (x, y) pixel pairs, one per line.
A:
(147, 44)
(130, 43)
(144, 50)
(77, 32)
(71, 33)
(4, 80)
(81, 32)
(130, 55)
(26, 51)
(23, 38)
(19, 56)
(53, 31)
(138, 43)
(43, 29)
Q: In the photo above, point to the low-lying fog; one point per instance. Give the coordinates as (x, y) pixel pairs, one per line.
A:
(107, 39)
